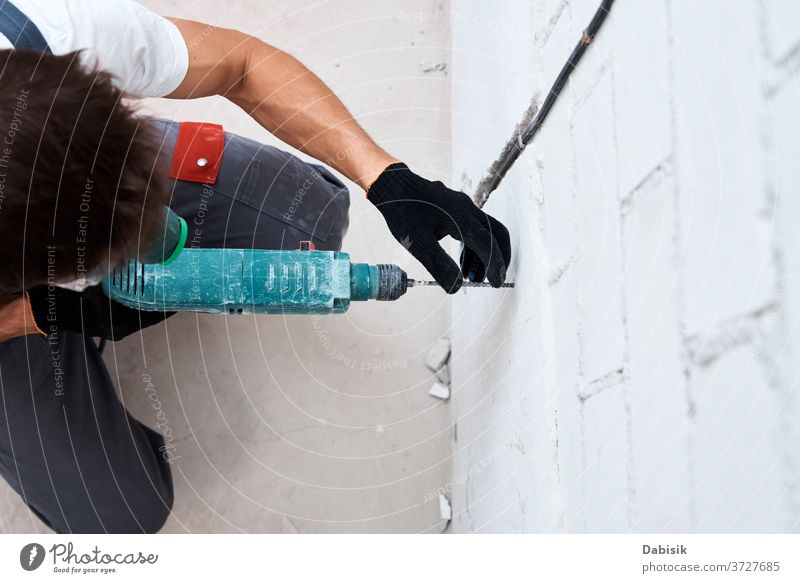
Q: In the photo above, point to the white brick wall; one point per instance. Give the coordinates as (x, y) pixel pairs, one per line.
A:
(644, 373)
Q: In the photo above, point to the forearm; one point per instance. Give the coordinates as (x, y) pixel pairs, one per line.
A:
(296, 106)
(281, 94)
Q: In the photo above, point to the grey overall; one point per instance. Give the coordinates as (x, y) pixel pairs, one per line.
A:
(67, 444)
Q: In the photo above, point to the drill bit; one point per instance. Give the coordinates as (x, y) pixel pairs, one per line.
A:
(421, 282)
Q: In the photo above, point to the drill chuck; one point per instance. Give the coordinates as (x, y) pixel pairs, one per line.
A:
(382, 282)
(392, 282)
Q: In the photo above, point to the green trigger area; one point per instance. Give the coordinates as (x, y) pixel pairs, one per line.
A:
(184, 234)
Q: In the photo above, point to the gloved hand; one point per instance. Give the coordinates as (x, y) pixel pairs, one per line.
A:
(420, 213)
(89, 312)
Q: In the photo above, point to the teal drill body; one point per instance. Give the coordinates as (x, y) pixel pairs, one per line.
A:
(237, 281)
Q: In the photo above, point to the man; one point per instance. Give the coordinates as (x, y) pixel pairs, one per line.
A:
(83, 181)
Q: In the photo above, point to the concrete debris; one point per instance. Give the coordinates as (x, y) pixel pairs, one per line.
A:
(439, 391)
(445, 510)
(438, 355)
(433, 67)
(443, 374)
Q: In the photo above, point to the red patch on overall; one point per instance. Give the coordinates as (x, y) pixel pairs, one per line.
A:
(198, 152)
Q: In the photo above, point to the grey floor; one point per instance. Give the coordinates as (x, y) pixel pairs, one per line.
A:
(305, 424)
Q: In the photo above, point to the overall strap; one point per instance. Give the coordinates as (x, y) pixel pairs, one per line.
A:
(20, 30)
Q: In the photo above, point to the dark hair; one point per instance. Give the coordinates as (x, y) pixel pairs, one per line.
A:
(80, 183)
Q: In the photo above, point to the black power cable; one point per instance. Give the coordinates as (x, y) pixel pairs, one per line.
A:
(518, 142)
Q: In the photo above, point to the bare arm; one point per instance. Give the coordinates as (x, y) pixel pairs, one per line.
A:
(16, 318)
(282, 95)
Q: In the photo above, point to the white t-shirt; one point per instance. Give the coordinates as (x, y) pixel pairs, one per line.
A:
(144, 51)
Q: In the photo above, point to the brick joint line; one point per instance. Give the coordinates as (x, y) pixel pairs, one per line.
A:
(706, 348)
(609, 380)
(652, 180)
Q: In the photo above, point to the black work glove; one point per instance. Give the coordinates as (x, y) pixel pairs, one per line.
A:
(89, 312)
(420, 213)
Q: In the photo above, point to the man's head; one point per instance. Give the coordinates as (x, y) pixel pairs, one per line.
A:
(79, 181)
